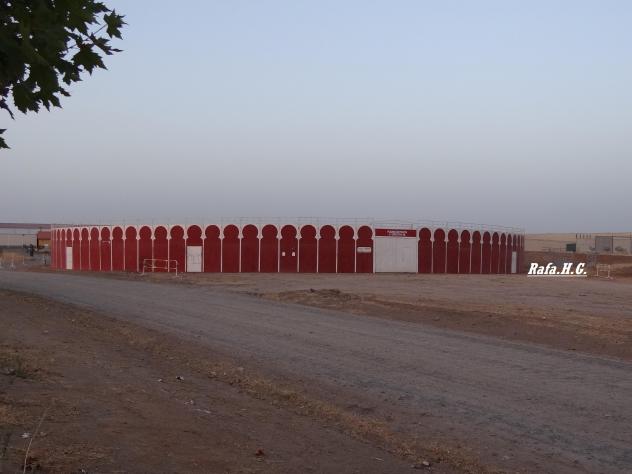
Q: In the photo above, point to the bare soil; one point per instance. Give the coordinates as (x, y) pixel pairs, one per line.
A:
(592, 315)
(93, 394)
(108, 390)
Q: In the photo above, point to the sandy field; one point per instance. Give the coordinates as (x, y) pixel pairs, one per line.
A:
(592, 315)
(82, 391)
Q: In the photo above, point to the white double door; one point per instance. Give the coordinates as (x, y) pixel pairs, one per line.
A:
(395, 254)
(194, 258)
(68, 258)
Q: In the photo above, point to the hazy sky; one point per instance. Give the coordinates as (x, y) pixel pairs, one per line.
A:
(499, 112)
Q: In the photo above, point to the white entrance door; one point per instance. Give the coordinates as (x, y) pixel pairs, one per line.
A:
(395, 254)
(68, 258)
(194, 259)
(514, 261)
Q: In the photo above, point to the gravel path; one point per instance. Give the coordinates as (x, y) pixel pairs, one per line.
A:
(519, 406)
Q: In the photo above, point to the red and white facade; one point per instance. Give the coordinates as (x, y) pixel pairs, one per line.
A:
(289, 248)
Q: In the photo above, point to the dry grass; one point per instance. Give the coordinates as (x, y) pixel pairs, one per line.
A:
(359, 426)
(13, 364)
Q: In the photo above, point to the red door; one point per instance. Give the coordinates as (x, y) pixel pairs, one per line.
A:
(177, 249)
(230, 249)
(464, 252)
(269, 249)
(425, 251)
(438, 252)
(106, 250)
(161, 249)
(364, 250)
(508, 254)
(327, 250)
(486, 254)
(476, 252)
(131, 250)
(95, 250)
(76, 250)
(346, 250)
(289, 250)
(250, 249)
(85, 249)
(212, 250)
(307, 250)
(495, 253)
(145, 247)
(502, 253)
(118, 250)
(452, 252)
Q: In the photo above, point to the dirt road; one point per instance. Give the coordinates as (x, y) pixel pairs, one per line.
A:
(519, 406)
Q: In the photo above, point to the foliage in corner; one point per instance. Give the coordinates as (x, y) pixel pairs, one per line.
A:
(45, 45)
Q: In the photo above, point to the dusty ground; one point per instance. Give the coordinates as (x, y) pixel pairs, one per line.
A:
(96, 379)
(108, 398)
(592, 315)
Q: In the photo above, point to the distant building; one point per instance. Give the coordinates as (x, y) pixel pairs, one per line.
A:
(19, 234)
(617, 243)
(43, 239)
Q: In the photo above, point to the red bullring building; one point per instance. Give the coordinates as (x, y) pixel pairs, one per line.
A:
(298, 245)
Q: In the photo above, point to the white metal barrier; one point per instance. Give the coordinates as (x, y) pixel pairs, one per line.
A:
(160, 264)
(602, 269)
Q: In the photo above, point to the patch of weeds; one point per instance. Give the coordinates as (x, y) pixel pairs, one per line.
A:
(12, 364)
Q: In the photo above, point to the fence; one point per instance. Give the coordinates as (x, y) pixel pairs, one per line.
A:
(305, 248)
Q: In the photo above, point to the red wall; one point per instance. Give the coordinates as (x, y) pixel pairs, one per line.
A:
(131, 250)
(194, 236)
(161, 248)
(62, 250)
(106, 250)
(486, 254)
(269, 249)
(502, 253)
(364, 261)
(346, 250)
(452, 252)
(212, 250)
(85, 249)
(76, 250)
(250, 249)
(145, 246)
(177, 248)
(287, 250)
(495, 253)
(327, 250)
(308, 247)
(425, 251)
(230, 249)
(68, 243)
(508, 254)
(118, 250)
(477, 253)
(518, 248)
(288, 261)
(465, 248)
(438, 252)
(95, 250)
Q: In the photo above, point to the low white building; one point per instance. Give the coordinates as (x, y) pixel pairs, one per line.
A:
(18, 234)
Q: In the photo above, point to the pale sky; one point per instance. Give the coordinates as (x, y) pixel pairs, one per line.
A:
(497, 112)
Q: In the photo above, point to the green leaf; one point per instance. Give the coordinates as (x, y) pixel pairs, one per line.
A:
(46, 45)
(88, 59)
(115, 23)
(3, 144)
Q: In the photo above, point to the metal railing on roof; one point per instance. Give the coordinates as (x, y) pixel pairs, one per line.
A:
(317, 221)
